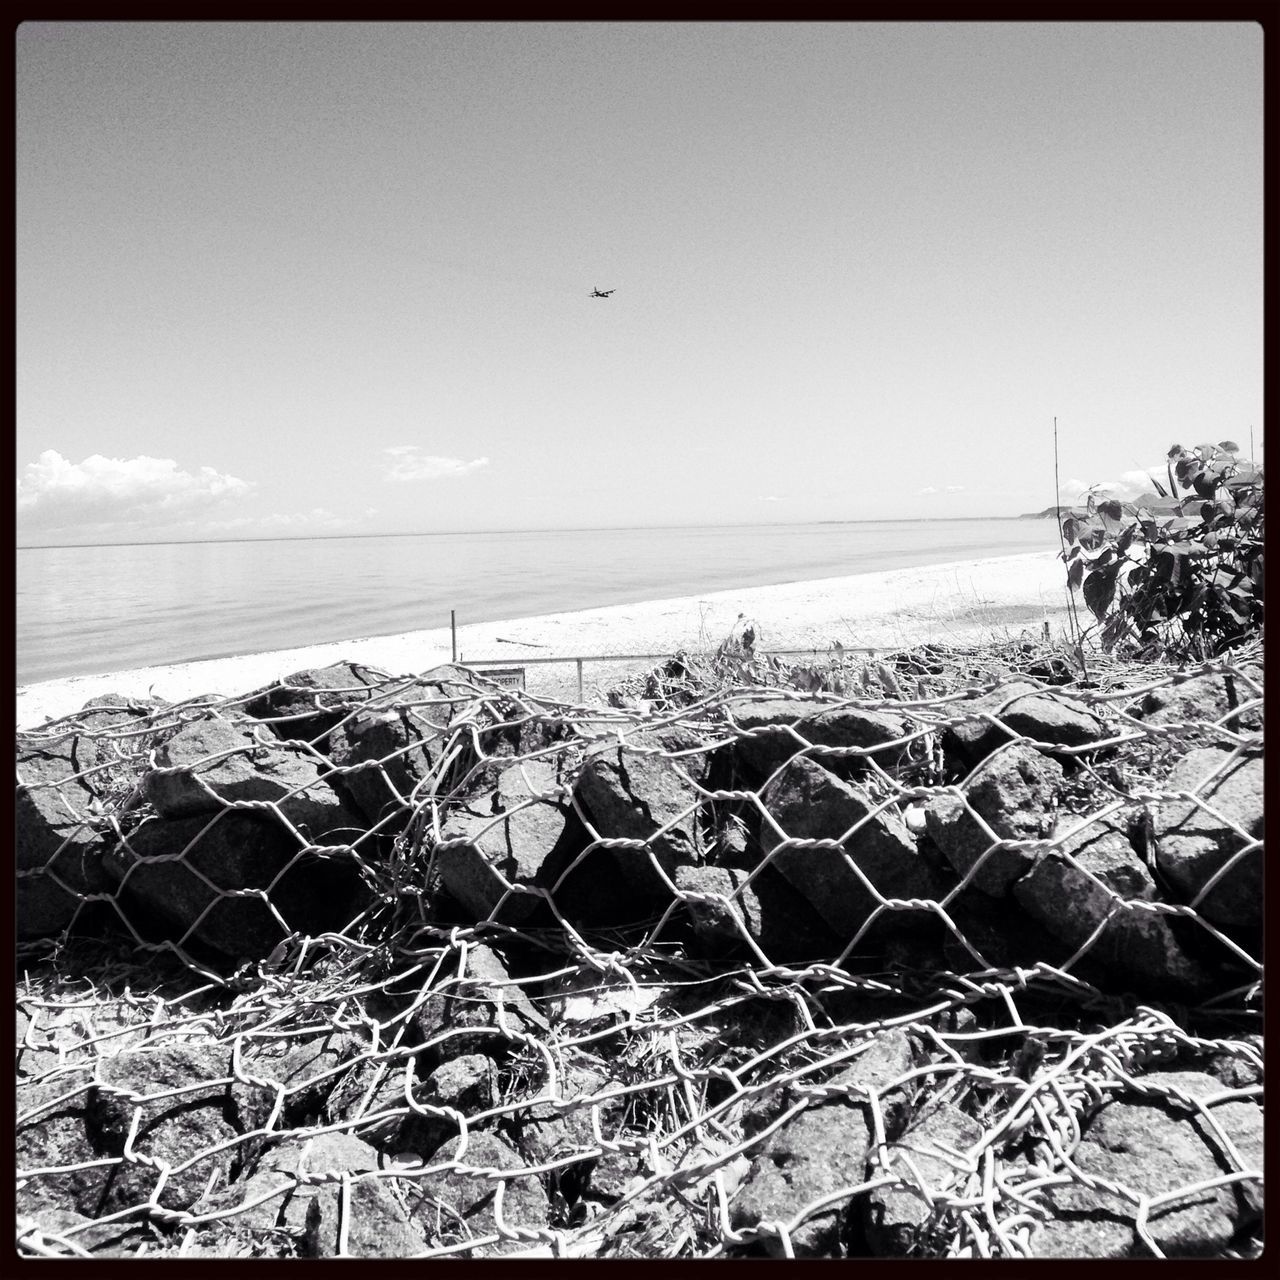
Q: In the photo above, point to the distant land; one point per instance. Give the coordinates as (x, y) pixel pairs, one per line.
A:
(1046, 513)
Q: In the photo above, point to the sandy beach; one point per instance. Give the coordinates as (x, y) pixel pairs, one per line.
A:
(957, 603)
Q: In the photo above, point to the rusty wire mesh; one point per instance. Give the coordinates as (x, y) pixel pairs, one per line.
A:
(643, 1055)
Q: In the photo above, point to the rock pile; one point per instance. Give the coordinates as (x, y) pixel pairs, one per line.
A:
(761, 831)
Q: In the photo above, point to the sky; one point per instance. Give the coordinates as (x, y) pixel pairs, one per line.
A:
(301, 279)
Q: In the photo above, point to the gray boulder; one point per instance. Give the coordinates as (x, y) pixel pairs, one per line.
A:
(476, 1008)
(459, 1204)
(466, 1085)
(1024, 710)
(52, 1137)
(190, 1115)
(924, 1157)
(237, 881)
(298, 1187)
(1012, 791)
(808, 802)
(556, 1131)
(307, 705)
(823, 1149)
(368, 1222)
(277, 1192)
(58, 846)
(210, 764)
(1157, 1146)
(520, 841)
(67, 781)
(773, 729)
(1193, 844)
(1206, 699)
(727, 912)
(1095, 875)
(305, 1071)
(385, 760)
(113, 1239)
(634, 790)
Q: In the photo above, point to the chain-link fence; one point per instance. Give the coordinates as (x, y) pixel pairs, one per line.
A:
(963, 966)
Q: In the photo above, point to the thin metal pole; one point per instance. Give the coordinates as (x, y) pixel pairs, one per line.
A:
(579, 679)
(453, 634)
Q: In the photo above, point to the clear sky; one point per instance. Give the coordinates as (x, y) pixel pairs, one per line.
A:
(292, 279)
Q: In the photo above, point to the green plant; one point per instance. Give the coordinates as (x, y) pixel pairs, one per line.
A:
(1174, 574)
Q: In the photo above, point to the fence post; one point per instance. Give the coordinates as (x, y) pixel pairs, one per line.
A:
(579, 679)
(453, 635)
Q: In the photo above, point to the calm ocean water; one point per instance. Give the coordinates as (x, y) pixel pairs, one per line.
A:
(84, 610)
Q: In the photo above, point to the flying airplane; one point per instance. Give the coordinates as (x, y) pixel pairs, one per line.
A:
(597, 293)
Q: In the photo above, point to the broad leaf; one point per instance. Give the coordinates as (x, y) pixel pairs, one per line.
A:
(1100, 590)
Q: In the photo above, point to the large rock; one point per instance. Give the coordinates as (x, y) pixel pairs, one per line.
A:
(634, 791)
(68, 781)
(823, 1149)
(1012, 791)
(1018, 708)
(367, 1222)
(303, 1071)
(180, 1107)
(460, 1203)
(238, 881)
(808, 802)
(1095, 875)
(928, 1157)
(58, 847)
(52, 1136)
(305, 706)
(51, 1227)
(475, 1007)
(297, 1187)
(1154, 1147)
(521, 840)
(384, 758)
(466, 1086)
(728, 913)
(1193, 844)
(555, 1131)
(1206, 699)
(773, 729)
(210, 764)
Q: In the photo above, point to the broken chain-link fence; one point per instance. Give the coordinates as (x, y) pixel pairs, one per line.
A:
(963, 966)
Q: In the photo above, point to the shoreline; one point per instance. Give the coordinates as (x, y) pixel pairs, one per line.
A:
(965, 601)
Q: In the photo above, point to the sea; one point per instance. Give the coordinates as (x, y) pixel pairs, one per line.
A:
(95, 609)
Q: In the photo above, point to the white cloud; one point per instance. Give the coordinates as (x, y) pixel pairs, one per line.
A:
(955, 488)
(768, 497)
(54, 492)
(408, 462)
(929, 488)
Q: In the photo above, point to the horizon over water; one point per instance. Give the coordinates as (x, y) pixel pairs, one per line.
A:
(84, 610)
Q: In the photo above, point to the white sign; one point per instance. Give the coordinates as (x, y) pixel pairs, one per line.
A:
(507, 677)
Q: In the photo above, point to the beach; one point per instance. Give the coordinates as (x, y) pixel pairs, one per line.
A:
(965, 602)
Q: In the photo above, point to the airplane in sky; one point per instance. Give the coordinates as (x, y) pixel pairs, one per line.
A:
(597, 293)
